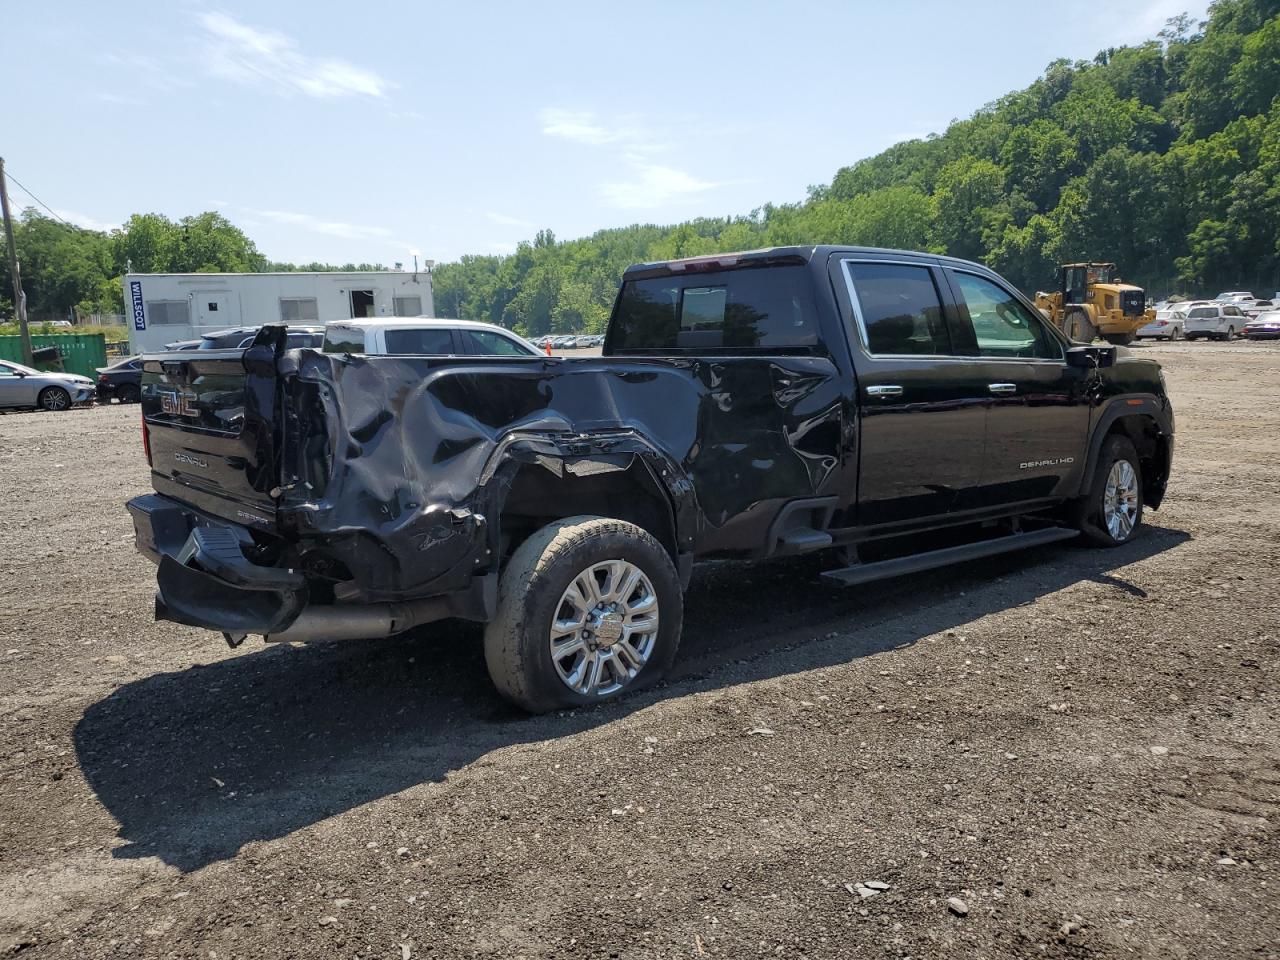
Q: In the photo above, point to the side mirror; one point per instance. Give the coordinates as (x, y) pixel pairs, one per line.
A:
(1088, 358)
(22, 374)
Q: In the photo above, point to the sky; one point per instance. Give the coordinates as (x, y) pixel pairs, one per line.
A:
(370, 132)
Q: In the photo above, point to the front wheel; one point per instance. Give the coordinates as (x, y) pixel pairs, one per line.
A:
(588, 608)
(1111, 512)
(1231, 333)
(54, 398)
(1175, 335)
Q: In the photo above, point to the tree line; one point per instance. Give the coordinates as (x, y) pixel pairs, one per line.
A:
(1164, 157)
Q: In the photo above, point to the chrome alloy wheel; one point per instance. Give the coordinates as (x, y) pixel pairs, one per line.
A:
(1120, 501)
(604, 628)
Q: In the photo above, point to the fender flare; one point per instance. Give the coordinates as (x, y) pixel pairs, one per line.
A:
(1122, 405)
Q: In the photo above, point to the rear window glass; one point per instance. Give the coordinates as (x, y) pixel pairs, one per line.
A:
(420, 341)
(1200, 313)
(764, 310)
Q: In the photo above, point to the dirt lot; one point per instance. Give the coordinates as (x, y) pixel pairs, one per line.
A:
(1082, 746)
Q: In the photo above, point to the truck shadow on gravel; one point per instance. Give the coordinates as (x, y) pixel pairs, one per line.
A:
(197, 763)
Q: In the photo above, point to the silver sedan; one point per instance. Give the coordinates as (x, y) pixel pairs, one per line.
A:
(1168, 325)
(25, 387)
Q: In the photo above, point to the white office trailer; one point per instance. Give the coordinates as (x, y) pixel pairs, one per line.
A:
(163, 307)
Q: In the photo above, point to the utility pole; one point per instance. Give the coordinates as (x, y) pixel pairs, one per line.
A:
(19, 298)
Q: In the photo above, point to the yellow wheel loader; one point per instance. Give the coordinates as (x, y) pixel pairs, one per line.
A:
(1091, 302)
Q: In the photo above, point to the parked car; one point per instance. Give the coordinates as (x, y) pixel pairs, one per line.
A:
(1265, 326)
(22, 386)
(1219, 321)
(241, 337)
(1232, 296)
(425, 337)
(1168, 325)
(1254, 308)
(777, 402)
(121, 381)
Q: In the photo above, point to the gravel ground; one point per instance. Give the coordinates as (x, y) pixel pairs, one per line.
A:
(1062, 753)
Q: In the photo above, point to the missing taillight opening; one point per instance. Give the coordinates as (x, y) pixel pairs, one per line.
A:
(146, 440)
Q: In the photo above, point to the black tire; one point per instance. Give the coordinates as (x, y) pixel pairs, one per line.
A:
(1119, 339)
(1176, 334)
(128, 393)
(1079, 327)
(54, 399)
(531, 590)
(1091, 510)
(1231, 334)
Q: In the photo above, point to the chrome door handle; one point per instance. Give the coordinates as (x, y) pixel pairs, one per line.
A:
(887, 390)
(1002, 387)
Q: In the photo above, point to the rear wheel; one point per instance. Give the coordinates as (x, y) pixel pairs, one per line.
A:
(588, 608)
(54, 398)
(1231, 333)
(1119, 339)
(1111, 512)
(1079, 327)
(128, 393)
(1175, 334)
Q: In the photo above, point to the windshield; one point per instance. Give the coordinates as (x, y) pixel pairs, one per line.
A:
(19, 368)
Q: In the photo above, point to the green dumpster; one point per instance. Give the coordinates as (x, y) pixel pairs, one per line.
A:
(81, 353)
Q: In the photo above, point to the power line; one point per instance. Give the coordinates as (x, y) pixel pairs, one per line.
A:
(19, 185)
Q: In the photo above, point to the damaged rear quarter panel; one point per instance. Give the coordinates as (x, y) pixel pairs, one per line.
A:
(396, 463)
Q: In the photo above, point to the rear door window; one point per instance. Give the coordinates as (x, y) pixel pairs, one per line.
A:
(1002, 326)
(899, 311)
(431, 341)
(749, 310)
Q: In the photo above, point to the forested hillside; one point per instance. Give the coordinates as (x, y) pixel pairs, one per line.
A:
(1163, 157)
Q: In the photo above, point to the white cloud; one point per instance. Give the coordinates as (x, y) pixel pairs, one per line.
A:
(507, 221)
(651, 186)
(239, 52)
(332, 228)
(579, 126)
(86, 221)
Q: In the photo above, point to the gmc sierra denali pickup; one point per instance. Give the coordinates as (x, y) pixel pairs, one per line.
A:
(897, 410)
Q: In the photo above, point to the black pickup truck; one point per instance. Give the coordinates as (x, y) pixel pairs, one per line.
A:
(898, 410)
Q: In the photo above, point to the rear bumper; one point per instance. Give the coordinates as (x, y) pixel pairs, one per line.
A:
(204, 578)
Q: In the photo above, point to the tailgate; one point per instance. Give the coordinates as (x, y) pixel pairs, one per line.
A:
(210, 417)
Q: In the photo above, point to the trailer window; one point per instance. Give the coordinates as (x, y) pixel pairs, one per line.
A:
(298, 309)
(407, 306)
(169, 312)
(749, 310)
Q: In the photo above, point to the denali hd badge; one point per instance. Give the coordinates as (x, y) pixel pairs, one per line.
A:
(179, 403)
(191, 461)
(1057, 461)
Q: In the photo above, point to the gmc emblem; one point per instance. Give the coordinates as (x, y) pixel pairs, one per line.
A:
(178, 403)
